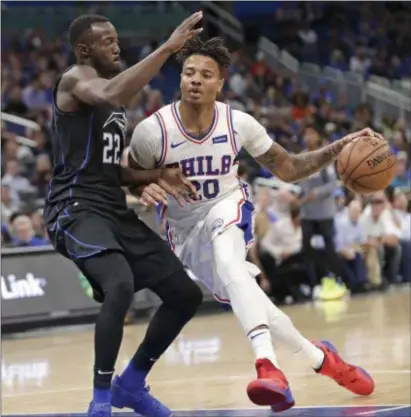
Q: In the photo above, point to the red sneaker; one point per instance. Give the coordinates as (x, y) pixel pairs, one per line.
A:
(353, 378)
(271, 388)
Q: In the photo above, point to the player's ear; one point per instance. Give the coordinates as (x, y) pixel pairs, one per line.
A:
(221, 85)
(83, 50)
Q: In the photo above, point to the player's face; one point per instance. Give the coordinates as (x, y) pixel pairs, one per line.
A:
(201, 80)
(104, 49)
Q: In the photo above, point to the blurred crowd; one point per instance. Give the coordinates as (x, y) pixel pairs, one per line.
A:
(301, 229)
(316, 239)
(371, 38)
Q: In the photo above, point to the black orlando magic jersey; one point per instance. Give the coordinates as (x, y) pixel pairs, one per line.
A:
(87, 149)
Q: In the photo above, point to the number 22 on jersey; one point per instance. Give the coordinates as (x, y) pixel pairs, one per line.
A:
(112, 148)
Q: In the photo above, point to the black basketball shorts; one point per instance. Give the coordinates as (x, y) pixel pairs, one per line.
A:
(80, 231)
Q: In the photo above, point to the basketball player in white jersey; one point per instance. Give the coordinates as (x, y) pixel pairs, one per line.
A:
(210, 236)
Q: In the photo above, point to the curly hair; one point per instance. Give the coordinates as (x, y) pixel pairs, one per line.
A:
(213, 48)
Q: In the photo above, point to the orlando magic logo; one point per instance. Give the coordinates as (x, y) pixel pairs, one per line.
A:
(119, 118)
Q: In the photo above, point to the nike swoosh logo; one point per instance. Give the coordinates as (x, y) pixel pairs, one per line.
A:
(104, 372)
(176, 145)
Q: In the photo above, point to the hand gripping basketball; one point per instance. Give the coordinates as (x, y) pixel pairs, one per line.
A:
(366, 164)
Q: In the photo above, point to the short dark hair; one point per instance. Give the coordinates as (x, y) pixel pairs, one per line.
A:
(213, 48)
(15, 216)
(79, 26)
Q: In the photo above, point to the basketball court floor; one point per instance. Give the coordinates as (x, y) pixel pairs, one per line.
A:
(206, 371)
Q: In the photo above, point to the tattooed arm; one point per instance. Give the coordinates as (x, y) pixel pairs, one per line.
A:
(291, 168)
(251, 135)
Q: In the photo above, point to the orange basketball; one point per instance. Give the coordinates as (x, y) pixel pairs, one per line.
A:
(367, 165)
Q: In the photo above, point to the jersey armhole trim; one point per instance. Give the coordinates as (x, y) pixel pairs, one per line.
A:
(231, 130)
(164, 139)
(56, 109)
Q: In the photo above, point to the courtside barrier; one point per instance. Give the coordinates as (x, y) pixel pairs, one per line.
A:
(40, 287)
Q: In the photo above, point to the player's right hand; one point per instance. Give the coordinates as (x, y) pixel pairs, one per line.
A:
(184, 32)
(173, 182)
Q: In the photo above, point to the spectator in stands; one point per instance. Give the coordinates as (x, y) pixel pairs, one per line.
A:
(260, 68)
(263, 220)
(41, 137)
(318, 209)
(309, 42)
(39, 226)
(301, 106)
(237, 82)
(383, 250)
(43, 175)
(402, 178)
(360, 62)
(264, 216)
(35, 96)
(23, 233)
(11, 150)
(378, 67)
(283, 244)
(135, 111)
(8, 206)
(16, 182)
(154, 102)
(363, 117)
(400, 142)
(337, 60)
(350, 239)
(400, 205)
(340, 203)
(15, 104)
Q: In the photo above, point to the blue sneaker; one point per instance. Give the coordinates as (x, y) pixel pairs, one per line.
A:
(99, 410)
(141, 401)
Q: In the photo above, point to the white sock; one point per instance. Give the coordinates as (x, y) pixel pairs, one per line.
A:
(243, 291)
(262, 345)
(281, 327)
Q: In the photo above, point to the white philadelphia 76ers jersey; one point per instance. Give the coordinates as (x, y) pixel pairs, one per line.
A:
(209, 162)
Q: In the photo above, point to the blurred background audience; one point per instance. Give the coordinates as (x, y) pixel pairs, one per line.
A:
(310, 235)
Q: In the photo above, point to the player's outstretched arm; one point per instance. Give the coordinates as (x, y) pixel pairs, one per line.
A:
(290, 168)
(85, 85)
(157, 183)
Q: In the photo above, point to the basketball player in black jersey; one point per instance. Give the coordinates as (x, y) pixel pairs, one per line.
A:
(87, 217)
